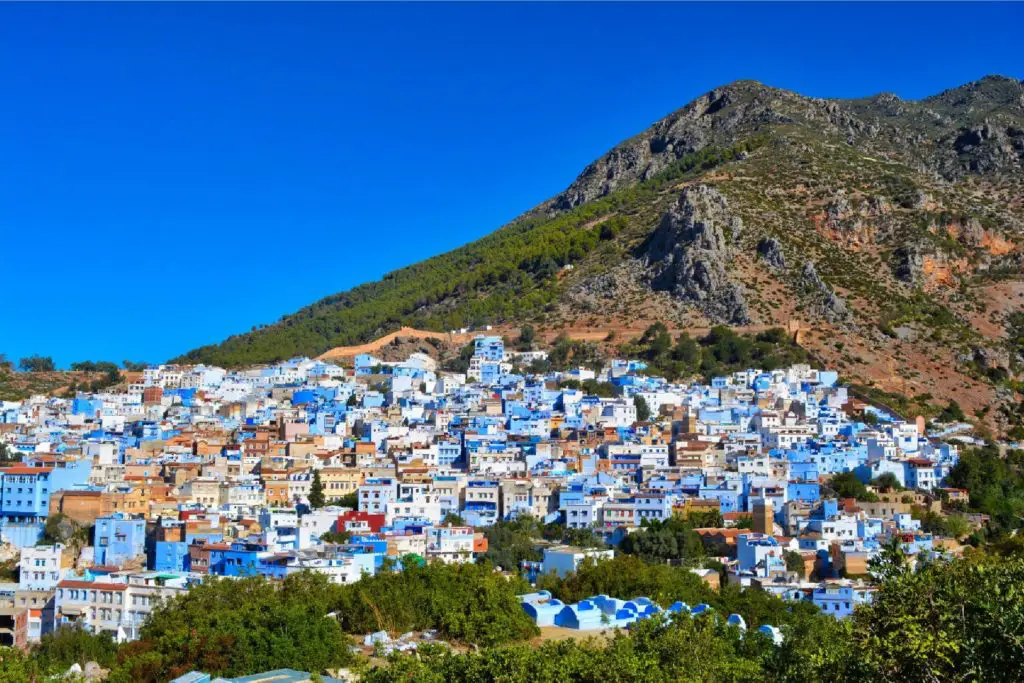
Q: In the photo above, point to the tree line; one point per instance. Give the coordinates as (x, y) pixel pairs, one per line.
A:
(719, 352)
(950, 620)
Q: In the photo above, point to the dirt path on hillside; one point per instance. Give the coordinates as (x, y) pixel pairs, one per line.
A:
(583, 333)
(405, 332)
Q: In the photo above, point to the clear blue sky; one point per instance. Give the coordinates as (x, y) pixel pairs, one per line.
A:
(172, 174)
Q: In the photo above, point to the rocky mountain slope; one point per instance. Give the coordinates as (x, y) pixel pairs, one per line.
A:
(889, 230)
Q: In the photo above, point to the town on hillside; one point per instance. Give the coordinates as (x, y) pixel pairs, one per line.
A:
(112, 502)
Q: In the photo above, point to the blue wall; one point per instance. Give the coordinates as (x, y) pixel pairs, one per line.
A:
(119, 539)
(169, 556)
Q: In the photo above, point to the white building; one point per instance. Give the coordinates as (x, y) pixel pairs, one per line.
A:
(563, 560)
(39, 567)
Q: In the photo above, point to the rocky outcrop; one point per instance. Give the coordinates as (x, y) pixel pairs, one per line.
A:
(771, 251)
(689, 251)
(989, 147)
(989, 358)
(908, 263)
(824, 301)
(930, 135)
(719, 118)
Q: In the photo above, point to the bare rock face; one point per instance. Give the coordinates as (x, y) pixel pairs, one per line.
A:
(771, 251)
(990, 147)
(972, 233)
(718, 118)
(827, 303)
(908, 263)
(689, 251)
(989, 358)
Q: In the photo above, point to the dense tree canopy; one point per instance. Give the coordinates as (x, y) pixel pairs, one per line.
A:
(848, 485)
(996, 486)
(236, 627)
(57, 651)
(37, 364)
(464, 602)
(673, 539)
(955, 620)
(948, 620)
(719, 352)
(683, 650)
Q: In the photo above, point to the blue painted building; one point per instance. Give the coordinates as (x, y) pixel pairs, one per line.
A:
(840, 601)
(242, 559)
(169, 556)
(119, 538)
(808, 491)
(489, 348)
(25, 496)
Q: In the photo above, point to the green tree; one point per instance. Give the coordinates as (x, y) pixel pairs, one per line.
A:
(349, 500)
(461, 362)
(949, 620)
(527, 336)
(995, 483)
(580, 538)
(338, 537)
(17, 667)
(952, 413)
(316, 492)
(509, 543)
(890, 562)
(657, 340)
(37, 364)
(848, 485)
(957, 526)
(58, 650)
(887, 481)
(672, 539)
(468, 603)
(687, 352)
(594, 387)
(8, 454)
(643, 411)
(453, 519)
(795, 563)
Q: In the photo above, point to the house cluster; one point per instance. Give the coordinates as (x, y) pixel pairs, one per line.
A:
(192, 471)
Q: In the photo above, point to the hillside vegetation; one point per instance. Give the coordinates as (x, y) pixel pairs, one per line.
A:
(890, 230)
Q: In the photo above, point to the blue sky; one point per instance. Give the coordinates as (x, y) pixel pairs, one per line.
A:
(172, 174)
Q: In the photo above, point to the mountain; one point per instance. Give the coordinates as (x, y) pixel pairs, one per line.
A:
(890, 231)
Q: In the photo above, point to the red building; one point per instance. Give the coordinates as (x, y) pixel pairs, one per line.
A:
(152, 396)
(356, 521)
